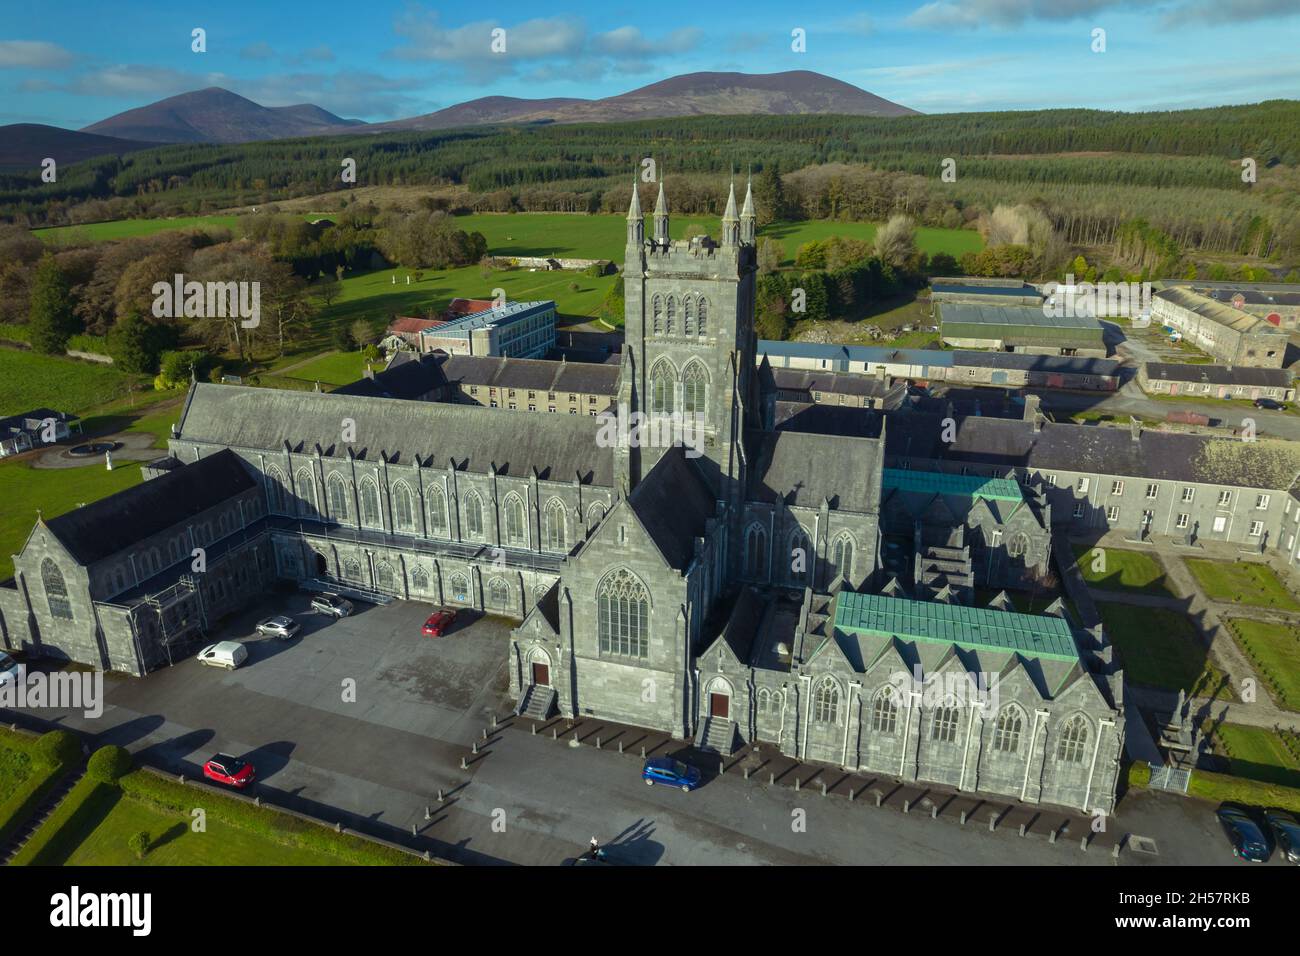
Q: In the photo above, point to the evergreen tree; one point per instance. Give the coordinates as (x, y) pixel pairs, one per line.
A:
(52, 321)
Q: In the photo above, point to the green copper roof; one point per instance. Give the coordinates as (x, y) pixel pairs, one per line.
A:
(969, 486)
(980, 628)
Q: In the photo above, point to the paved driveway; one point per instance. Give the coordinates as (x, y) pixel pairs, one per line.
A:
(377, 759)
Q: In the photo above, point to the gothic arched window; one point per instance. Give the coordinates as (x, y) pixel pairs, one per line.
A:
(275, 489)
(1074, 740)
(594, 514)
(826, 702)
(336, 488)
(419, 579)
(369, 501)
(842, 557)
(555, 536)
(516, 533)
(688, 315)
(801, 555)
(623, 614)
(498, 593)
(657, 311)
(458, 585)
(670, 324)
(306, 491)
(702, 320)
(437, 512)
(944, 727)
(756, 552)
(695, 389)
(1018, 545)
(385, 578)
(56, 592)
(403, 513)
(473, 515)
(1006, 732)
(884, 712)
(352, 570)
(663, 385)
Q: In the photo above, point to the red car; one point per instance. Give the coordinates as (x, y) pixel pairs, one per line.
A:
(439, 622)
(229, 770)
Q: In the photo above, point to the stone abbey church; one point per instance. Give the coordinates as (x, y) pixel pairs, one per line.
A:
(768, 583)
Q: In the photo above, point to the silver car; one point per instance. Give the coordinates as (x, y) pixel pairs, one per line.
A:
(327, 602)
(279, 626)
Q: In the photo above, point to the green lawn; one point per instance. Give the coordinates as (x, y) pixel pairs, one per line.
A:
(1241, 583)
(1115, 569)
(28, 770)
(129, 228)
(1160, 648)
(31, 380)
(1257, 753)
(330, 369)
(1275, 651)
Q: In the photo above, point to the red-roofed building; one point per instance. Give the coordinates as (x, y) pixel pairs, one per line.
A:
(461, 307)
(404, 331)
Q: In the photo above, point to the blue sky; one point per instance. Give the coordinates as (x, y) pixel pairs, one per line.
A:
(78, 61)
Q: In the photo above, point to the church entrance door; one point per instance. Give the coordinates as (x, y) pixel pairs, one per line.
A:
(541, 674)
(720, 706)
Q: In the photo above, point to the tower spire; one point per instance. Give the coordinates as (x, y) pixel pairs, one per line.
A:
(730, 222)
(634, 209)
(661, 216)
(748, 219)
(635, 220)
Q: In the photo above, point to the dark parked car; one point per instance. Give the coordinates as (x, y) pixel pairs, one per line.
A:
(671, 773)
(229, 770)
(1269, 404)
(1286, 833)
(1247, 839)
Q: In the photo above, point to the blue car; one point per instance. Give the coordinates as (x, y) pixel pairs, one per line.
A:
(1247, 839)
(671, 773)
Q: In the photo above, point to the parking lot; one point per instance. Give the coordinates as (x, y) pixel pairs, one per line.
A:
(364, 720)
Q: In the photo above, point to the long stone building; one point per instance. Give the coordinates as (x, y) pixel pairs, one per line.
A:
(684, 562)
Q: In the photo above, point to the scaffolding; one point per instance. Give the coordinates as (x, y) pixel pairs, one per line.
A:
(189, 625)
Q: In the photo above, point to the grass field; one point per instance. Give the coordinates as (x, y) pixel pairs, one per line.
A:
(130, 228)
(331, 368)
(30, 380)
(1118, 570)
(1241, 583)
(1275, 651)
(1257, 753)
(1159, 648)
(27, 491)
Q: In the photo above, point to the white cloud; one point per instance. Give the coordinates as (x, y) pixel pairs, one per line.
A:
(33, 55)
(257, 51)
(427, 39)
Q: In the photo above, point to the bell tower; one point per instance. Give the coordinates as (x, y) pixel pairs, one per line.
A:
(689, 338)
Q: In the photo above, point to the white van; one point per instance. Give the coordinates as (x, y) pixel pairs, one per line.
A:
(227, 654)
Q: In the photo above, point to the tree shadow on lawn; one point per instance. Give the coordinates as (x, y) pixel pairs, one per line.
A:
(99, 803)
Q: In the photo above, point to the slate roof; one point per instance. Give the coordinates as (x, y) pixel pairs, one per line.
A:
(1171, 456)
(410, 379)
(1219, 374)
(119, 521)
(803, 469)
(806, 380)
(875, 355)
(540, 375)
(673, 503)
(560, 447)
(1012, 316)
(818, 419)
(1035, 363)
(1218, 312)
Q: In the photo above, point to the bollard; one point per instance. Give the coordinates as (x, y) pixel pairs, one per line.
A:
(463, 764)
(907, 806)
(257, 801)
(1083, 844)
(1022, 829)
(338, 827)
(993, 822)
(880, 798)
(850, 793)
(180, 778)
(745, 771)
(796, 784)
(1114, 851)
(823, 789)
(620, 746)
(494, 721)
(771, 778)
(428, 812)
(428, 857)
(1051, 837)
(414, 831)
(474, 747)
(440, 794)
(554, 735)
(643, 753)
(722, 767)
(534, 729)
(963, 818)
(934, 812)
(598, 742)
(485, 735)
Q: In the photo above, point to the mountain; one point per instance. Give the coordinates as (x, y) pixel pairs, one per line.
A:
(27, 144)
(215, 115)
(692, 94)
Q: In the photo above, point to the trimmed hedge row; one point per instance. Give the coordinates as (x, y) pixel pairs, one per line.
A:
(52, 755)
(170, 796)
(1222, 788)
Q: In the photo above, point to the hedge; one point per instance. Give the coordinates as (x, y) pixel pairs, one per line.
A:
(279, 827)
(51, 757)
(1221, 788)
(109, 764)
